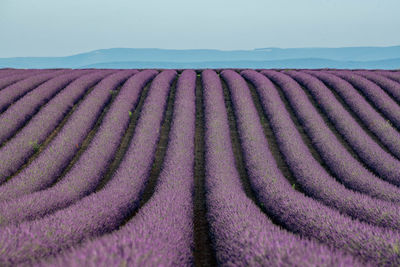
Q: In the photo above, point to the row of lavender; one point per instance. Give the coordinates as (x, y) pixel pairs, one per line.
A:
(350, 206)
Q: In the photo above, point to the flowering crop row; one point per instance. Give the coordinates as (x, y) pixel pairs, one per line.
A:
(11, 93)
(311, 176)
(395, 76)
(345, 167)
(161, 233)
(378, 97)
(297, 212)
(38, 128)
(374, 121)
(391, 87)
(5, 73)
(8, 79)
(243, 235)
(66, 142)
(130, 168)
(383, 163)
(87, 172)
(100, 212)
(20, 111)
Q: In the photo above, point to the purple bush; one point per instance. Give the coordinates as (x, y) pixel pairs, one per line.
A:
(8, 79)
(161, 233)
(5, 73)
(14, 154)
(395, 76)
(292, 209)
(10, 72)
(32, 177)
(310, 175)
(23, 109)
(377, 97)
(62, 204)
(346, 169)
(384, 164)
(242, 234)
(380, 127)
(390, 86)
(87, 172)
(99, 212)
(11, 93)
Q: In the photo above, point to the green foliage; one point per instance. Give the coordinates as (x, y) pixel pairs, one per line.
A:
(396, 249)
(35, 145)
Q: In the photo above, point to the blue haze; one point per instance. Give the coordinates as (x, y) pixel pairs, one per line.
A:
(67, 27)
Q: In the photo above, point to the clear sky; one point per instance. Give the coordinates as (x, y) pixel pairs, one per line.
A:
(65, 27)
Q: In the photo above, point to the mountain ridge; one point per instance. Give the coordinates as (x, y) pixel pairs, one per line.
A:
(328, 57)
(314, 63)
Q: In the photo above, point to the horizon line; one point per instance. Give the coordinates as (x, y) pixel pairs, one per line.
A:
(203, 49)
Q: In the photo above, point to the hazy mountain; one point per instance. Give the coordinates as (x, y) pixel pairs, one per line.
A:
(307, 63)
(347, 57)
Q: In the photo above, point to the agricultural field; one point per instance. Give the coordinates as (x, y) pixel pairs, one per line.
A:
(227, 167)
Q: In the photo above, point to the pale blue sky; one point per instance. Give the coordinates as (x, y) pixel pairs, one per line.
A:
(65, 27)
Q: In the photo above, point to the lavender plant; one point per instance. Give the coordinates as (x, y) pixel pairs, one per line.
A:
(294, 210)
(23, 109)
(36, 176)
(88, 171)
(100, 212)
(377, 97)
(4, 73)
(61, 208)
(391, 87)
(161, 233)
(347, 169)
(8, 79)
(14, 154)
(384, 164)
(310, 175)
(394, 76)
(11, 93)
(242, 234)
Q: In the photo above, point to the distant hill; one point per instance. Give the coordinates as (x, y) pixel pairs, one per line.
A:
(307, 63)
(347, 57)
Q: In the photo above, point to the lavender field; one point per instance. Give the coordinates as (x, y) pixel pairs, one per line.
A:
(226, 167)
